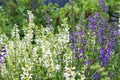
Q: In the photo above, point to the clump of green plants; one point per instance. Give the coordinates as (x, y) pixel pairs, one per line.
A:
(87, 49)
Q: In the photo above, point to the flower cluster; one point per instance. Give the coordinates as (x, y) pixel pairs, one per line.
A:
(26, 73)
(103, 6)
(95, 75)
(78, 42)
(69, 73)
(15, 32)
(93, 21)
(119, 25)
(107, 34)
(2, 54)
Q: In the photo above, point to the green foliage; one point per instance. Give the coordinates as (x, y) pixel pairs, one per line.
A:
(51, 16)
(38, 46)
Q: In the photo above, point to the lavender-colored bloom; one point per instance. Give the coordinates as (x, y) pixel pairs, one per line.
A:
(3, 50)
(87, 69)
(1, 60)
(101, 1)
(96, 15)
(111, 44)
(71, 38)
(103, 6)
(84, 42)
(111, 78)
(95, 75)
(108, 52)
(80, 51)
(115, 33)
(86, 62)
(114, 19)
(102, 51)
(105, 60)
(72, 47)
(80, 33)
(103, 39)
(2, 54)
(111, 75)
(92, 25)
(104, 55)
(75, 33)
(93, 21)
(77, 42)
(99, 35)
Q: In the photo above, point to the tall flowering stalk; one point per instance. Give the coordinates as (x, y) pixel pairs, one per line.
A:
(78, 46)
(2, 54)
(103, 6)
(106, 35)
(26, 75)
(77, 42)
(69, 73)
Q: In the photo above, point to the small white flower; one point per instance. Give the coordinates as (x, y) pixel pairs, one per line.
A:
(82, 77)
(57, 67)
(73, 78)
(35, 49)
(0, 7)
(22, 76)
(73, 73)
(66, 68)
(73, 68)
(30, 76)
(31, 17)
(23, 68)
(66, 75)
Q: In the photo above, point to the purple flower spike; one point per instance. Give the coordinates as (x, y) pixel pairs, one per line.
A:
(96, 15)
(101, 1)
(108, 52)
(72, 46)
(99, 35)
(71, 38)
(87, 69)
(80, 51)
(95, 75)
(115, 33)
(77, 42)
(75, 33)
(103, 6)
(102, 50)
(2, 54)
(93, 21)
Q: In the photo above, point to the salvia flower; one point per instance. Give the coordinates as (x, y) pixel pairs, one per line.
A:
(115, 33)
(26, 75)
(103, 6)
(93, 21)
(69, 73)
(111, 75)
(77, 42)
(99, 35)
(95, 75)
(104, 55)
(2, 54)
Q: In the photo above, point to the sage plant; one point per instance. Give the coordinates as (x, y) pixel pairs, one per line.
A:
(2, 54)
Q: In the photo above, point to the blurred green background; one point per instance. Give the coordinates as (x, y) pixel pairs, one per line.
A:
(49, 13)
